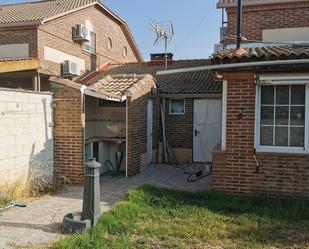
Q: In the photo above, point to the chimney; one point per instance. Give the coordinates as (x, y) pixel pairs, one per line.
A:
(161, 57)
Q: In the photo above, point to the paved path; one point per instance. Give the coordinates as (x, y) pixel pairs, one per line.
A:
(40, 221)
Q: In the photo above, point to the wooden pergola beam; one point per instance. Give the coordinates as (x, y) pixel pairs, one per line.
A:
(7, 66)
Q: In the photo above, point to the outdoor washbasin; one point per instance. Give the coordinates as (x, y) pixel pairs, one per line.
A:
(118, 140)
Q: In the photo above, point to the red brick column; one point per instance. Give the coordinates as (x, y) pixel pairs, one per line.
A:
(68, 134)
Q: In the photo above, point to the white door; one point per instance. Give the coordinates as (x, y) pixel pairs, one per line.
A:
(206, 128)
(149, 130)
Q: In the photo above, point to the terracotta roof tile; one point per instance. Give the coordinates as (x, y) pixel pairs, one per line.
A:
(38, 10)
(115, 86)
(201, 82)
(261, 54)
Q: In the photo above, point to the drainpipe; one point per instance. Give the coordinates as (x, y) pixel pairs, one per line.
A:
(127, 144)
(239, 23)
(83, 96)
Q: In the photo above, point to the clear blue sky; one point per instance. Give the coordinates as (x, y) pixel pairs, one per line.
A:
(196, 23)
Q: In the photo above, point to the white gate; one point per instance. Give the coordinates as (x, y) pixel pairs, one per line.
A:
(206, 128)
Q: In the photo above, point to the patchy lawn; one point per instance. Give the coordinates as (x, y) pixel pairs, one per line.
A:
(161, 218)
(3, 201)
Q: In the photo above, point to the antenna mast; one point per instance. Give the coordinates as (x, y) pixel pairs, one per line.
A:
(165, 33)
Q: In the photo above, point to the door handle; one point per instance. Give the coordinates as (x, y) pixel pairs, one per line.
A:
(196, 132)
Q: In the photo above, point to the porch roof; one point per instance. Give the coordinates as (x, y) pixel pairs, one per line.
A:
(111, 87)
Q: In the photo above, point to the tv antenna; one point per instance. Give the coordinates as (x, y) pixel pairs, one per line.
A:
(165, 33)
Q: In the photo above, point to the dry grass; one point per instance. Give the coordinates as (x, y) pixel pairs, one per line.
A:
(33, 186)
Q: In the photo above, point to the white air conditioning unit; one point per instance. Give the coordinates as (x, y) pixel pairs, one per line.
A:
(70, 68)
(81, 33)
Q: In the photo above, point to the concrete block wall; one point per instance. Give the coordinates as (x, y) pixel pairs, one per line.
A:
(26, 141)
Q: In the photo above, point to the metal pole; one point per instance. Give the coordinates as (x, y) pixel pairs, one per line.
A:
(91, 200)
(165, 52)
(239, 23)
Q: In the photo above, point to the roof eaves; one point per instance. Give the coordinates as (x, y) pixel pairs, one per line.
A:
(22, 23)
(138, 53)
(136, 50)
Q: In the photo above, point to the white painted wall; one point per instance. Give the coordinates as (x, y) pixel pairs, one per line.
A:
(104, 121)
(57, 56)
(26, 142)
(286, 34)
(11, 51)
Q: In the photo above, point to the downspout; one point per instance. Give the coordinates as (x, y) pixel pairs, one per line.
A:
(239, 23)
(83, 96)
(127, 144)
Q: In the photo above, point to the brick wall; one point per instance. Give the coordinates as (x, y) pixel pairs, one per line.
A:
(18, 36)
(57, 34)
(68, 135)
(234, 170)
(137, 129)
(26, 142)
(179, 127)
(271, 16)
(179, 130)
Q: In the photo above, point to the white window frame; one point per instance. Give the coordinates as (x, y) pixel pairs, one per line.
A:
(184, 107)
(92, 42)
(281, 149)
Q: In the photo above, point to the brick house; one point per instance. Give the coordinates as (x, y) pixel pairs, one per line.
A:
(83, 32)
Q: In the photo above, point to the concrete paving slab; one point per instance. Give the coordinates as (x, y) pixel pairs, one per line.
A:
(40, 222)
